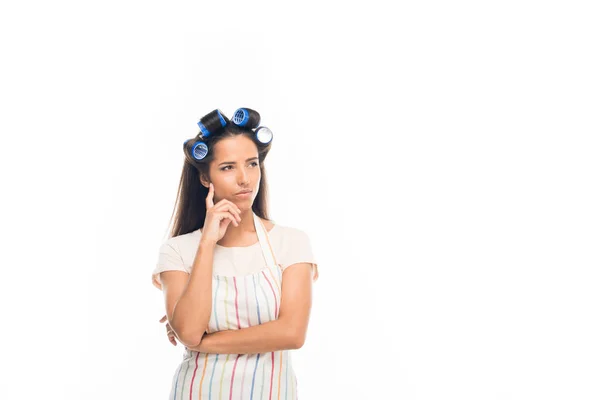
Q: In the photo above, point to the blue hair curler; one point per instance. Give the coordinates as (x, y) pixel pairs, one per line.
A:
(246, 118)
(241, 117)
(205, 131)
(199, 150)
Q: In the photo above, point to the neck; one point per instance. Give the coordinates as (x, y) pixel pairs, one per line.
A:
(246, 226)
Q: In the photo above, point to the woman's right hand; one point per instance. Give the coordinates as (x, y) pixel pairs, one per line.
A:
(218, 217)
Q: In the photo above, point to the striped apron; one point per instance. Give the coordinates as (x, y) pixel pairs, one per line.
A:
(240, 302)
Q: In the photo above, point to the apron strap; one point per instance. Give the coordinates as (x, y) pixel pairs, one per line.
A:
(265, 244)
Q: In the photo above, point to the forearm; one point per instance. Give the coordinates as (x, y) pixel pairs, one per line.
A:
(270, 336)
(192, 311)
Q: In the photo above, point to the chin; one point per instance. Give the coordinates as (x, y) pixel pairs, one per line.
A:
(243, 202)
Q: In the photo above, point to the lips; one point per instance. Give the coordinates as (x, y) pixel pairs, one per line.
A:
(244, 191)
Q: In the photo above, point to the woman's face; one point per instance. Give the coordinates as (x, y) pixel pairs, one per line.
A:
(235, 167)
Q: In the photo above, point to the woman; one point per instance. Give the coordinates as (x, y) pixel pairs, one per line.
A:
(237, 286)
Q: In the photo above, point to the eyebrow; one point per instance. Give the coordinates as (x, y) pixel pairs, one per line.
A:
(233, 162)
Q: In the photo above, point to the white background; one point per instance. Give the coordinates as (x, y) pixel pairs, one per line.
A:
(442, 157)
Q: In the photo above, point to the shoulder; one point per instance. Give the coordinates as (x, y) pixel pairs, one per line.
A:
(289, 233)
(293, 247)
(180, 242)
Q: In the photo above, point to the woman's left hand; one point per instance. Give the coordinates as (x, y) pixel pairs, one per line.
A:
(170, 333)
(172, 337)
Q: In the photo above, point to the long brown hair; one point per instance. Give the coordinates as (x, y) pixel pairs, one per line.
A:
(189, 211)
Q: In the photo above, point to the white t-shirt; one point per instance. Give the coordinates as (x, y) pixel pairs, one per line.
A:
(290, 245)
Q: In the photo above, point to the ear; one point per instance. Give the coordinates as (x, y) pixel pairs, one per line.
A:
(205, 182)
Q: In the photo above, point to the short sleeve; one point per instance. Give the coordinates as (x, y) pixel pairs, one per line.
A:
(297, 249)
(169, 259)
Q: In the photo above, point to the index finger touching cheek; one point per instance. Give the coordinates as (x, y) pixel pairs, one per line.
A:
(210, 196)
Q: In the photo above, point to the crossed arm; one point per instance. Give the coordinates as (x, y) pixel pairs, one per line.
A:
(288, 331)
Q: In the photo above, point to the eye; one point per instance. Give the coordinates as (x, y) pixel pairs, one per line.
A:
(254, 163)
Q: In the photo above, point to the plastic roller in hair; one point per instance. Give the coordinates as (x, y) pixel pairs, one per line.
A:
(199, 149)
(205, 131)
(246, 118)
(264, 134)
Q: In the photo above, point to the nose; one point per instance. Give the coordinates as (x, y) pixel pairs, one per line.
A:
(243, 177)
